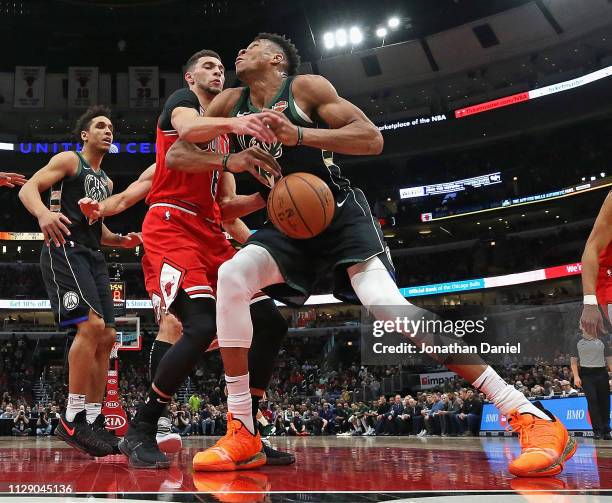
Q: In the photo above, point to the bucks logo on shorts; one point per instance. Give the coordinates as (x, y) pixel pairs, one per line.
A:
(70, 300)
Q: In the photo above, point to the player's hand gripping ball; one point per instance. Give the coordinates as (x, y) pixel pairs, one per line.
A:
(301, 205)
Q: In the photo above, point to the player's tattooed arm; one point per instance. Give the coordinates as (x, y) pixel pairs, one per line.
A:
(109, 238)
(234, 206)
(52, 223)
(601, 236)
(194, 128)
(120, 202)
(350, 131)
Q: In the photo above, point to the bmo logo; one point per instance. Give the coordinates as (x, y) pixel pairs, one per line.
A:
(112, 381)
(112, 405)
(115, 422)
(575, 414)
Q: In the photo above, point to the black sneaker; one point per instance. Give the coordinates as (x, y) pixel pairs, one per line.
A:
(79, 434)
(140, 446)
(274, 457)
(99, 429)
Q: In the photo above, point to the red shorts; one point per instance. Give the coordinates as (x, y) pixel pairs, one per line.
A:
(182, 251)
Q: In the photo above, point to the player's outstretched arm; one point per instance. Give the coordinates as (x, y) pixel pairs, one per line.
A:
(600, 237)
(52, 223)
(11, 179)
(237, 229)
(189, 158)
(234, 206)
(120, 202)
(194, 128)
(351, 132)
(109, 238)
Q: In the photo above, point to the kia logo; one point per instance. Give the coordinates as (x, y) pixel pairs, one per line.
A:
(111, 392)
(112, 381)
(114, 422)
(112, 405)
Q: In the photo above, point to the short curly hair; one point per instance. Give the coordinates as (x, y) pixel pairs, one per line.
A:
(84, 121)
(292, 57)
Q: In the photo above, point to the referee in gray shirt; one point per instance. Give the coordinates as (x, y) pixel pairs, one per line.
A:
(590, 359)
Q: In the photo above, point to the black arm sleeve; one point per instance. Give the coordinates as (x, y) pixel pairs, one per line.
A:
(181, 98)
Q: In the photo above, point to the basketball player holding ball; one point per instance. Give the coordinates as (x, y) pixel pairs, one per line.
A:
(310, 122)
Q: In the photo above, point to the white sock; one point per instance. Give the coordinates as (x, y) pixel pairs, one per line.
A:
(505, 397)
(76, 403)
(239, 400)
(93, 411)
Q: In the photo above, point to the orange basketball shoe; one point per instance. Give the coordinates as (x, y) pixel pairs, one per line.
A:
(237, 450)
(545, 445)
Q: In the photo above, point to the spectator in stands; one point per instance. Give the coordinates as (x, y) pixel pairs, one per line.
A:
(317, 424)
(381, 415)
(453, 408)
(181, 421)
(341, 415)
(8, 413)
(43, 423)
(20, 427)
(297, 426)
(467, 422)
(412, 419)
(393, 422)
(566, 389)
(432, 422)
(327, 414)
(207, 423)
(195, 423)
(194, 402)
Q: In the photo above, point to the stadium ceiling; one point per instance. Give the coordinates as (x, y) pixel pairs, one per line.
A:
(61, 33)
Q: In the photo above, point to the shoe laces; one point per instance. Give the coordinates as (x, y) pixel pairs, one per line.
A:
(233, 428)
(530, 429)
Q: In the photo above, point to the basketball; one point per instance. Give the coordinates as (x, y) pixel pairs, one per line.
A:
(301, 205)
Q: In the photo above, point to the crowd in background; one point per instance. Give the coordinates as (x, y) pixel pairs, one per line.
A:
(308, 394)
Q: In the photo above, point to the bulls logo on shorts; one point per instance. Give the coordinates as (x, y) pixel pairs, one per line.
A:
(70, 300)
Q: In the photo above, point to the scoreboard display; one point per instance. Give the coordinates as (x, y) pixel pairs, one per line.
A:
(118, 296)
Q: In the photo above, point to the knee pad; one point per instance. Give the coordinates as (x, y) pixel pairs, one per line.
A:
(269, 330)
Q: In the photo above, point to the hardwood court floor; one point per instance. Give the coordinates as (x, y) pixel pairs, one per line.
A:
(329, 469)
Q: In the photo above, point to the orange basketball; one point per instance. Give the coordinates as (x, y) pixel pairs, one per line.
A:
(301, 205)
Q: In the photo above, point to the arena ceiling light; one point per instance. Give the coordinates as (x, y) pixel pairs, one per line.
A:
(381, 32)
(341, 37)
(355, 35)
(329, 40)
(394, 22)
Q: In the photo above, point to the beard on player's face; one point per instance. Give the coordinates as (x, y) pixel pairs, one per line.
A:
(210, 89)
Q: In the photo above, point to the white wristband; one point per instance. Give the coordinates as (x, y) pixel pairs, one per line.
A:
(590, 300)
